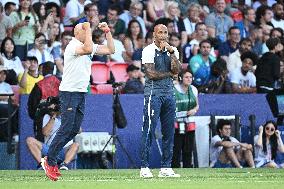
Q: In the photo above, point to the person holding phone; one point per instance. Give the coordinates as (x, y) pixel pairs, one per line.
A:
(26, 25)
(161, 63)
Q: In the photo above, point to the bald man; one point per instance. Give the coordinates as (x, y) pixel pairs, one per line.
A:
(161, 62)
(73, 87)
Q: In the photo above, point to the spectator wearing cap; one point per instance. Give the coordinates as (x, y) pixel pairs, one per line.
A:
(242, 78)
(30, 77)
(134, 84)
(5, 24)
(268, 69)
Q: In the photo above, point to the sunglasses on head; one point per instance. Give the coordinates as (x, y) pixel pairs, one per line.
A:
(269, 128)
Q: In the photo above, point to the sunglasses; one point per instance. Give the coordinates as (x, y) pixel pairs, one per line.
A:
(269, 128)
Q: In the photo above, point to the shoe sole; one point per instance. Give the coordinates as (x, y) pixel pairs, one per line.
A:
(48, 175)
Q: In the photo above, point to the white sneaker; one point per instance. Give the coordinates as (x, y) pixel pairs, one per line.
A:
(145, 173)
(167, 172)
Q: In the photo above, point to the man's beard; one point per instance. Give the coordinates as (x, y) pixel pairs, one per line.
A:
(278, 16)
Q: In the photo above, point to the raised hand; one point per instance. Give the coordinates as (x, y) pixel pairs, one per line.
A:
(260, 129)
(164, 44)
(277, 132)
(104, 27)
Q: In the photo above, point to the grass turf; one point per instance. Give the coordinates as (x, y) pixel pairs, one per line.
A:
(126, 179)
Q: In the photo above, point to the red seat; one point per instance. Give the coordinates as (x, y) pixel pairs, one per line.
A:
(101, 89)
(119, 71)
(100, 73)
(16, 90)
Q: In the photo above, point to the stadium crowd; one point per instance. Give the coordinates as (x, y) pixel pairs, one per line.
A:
(229, 46)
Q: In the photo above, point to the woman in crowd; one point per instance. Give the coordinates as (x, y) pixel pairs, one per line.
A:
(11, 61)
(156, 9)
(267, 144)
(175, 41)
(134, 41)
(26, 25)
(186, 101)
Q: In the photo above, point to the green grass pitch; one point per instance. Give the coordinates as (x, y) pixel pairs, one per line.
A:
(129, 179)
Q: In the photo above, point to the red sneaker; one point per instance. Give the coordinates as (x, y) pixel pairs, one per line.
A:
(50, 171)
(57, 172)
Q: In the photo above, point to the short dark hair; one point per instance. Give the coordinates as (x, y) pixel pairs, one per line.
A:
(221, 123)
(280, 30)
(246, 39)
(205, 41)
(271, 43)
(88, 6)
(251, 56)
(233, 28)
(47, 68)
(65, 33)
(199, 24)
(116, 8)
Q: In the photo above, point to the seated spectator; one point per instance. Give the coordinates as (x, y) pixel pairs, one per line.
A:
(6, 25)
(48, 86)
(30, 77)
(192, 19)
(227, 151)
(5, 88)
(50, 126)
(256, 36)
(234, 60)
(175, 41)
(134, 84)
(231, 45)
(135, 10)
(278, 12)
(274, 33)
(259, 3)
(134, 41)
(267, 143)
(73, 11)
(200, 64)
(218, 22)
(219, 83)
(242, 78)
(247, 24)
(172, 12)
(91, 16)
(9, 7)
(268, 69)
(113, 19)
(11, 61)
(98, 37)
(40, 51)
(156, 9)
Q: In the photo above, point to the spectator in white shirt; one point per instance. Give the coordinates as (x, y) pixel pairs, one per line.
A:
(74, 9)
(278, 12)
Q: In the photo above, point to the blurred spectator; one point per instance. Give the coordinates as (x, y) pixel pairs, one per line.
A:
(247, 23)
(175, 41)
(30, 77)
(91, 16)
(73, 11)
(5, 88)
(274, 33)
(149, 38)
(40, 51)
(117, 24)
(11, 61)
(40, 11)
(66, 37)
(278, 13)
(256, 36)
(99, 38)
(5, 25)
(218, 23)
(268, 69)
(200, 64)
(234, 60)
(26, 26)
(259, 3)
(172, 12)
(232, 44)
(54, 9)
(48, 86)
(156, 9)
(120, 52)
(192, 19)
(184, 6)
(242, 78)
(9, 8)
(57, 2)
(134, 41)
(135, 10)
(264, 16)
(134, 84)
